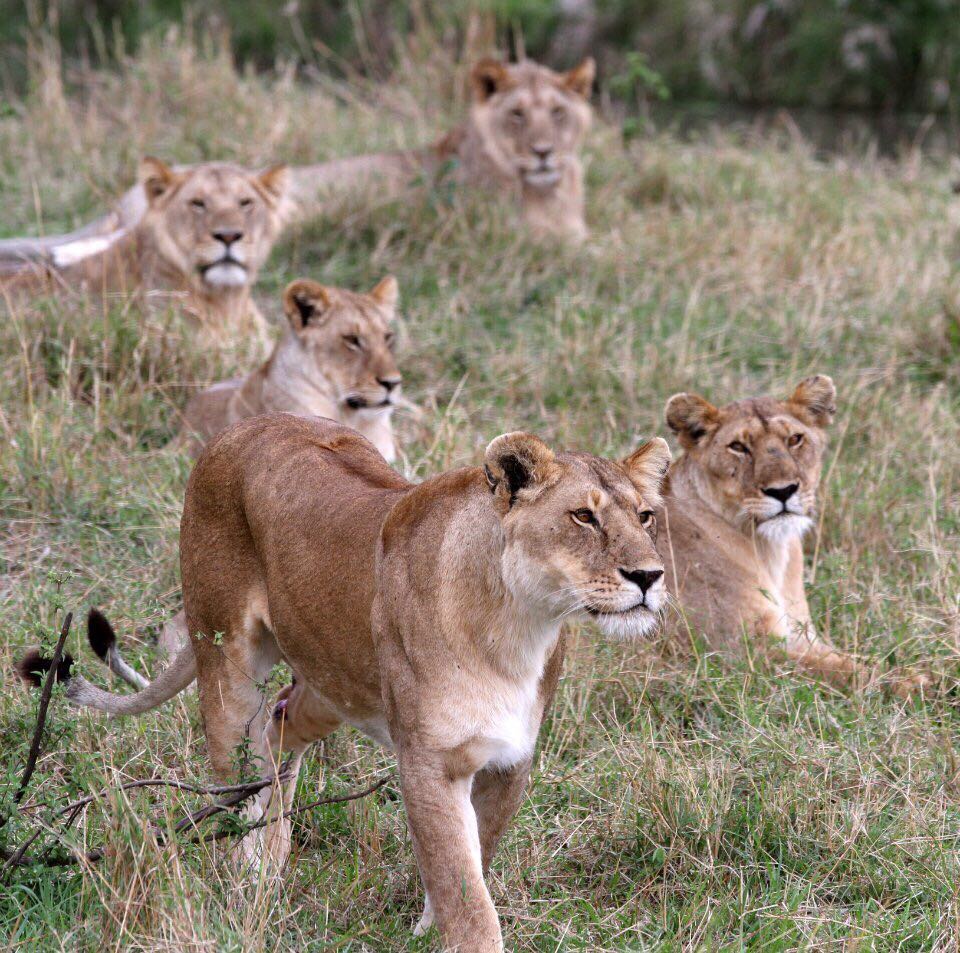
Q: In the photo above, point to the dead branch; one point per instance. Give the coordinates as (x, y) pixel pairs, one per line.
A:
(20, 858)
(231, 794)
(45, 694)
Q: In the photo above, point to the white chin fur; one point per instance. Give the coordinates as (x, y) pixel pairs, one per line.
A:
(780, 529)
(227, 275)
(627, 625)
(542, 180)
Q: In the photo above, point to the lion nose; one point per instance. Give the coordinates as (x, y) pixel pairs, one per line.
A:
(542, 152)
(781, 493)
(388, 383)
(644, 578)
(227, 237)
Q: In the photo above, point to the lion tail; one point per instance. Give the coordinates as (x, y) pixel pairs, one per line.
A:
(34, 666)
(103, 641)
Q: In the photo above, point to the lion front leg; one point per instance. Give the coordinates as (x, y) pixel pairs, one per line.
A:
(496, 797)
(446, 842)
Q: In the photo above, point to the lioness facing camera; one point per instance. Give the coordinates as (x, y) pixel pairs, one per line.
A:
(195, 236)
(427, 616)
(736, 506)
(522, 137)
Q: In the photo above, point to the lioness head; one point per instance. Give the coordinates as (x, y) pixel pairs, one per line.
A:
(531, 119)
(348, 339)
(579, 530)
(758, 461)
(214, 224)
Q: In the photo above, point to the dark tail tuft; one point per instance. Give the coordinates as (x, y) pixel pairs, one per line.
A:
(33, 667)
(100, 633)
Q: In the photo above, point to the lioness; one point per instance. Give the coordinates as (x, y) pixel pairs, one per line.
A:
(335, 359)
(427, 616)
(523, 134)
(736, 505)
(201, 235)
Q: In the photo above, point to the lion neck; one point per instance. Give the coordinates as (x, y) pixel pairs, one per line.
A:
(689, 487)
(506, 631)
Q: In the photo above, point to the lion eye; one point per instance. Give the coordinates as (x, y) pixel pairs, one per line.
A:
(517, 116)
(390, 340)
(584, 517)
(795, 440)
(353, 342)
(559, 114)
(646, 518)
(738, 447)
(246, 202)
(198, 204)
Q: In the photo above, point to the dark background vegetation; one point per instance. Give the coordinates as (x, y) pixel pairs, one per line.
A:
(888, 55)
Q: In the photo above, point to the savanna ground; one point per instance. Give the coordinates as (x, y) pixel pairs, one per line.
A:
(681, 801)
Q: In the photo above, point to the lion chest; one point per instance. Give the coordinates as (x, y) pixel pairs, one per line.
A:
(490, 723)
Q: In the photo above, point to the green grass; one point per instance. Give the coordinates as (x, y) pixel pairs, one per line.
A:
(681, 800)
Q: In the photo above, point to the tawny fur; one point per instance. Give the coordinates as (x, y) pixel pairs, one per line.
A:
(334, 359)
(734, 552)
(522, 136)
(195, 238)
(426, 616)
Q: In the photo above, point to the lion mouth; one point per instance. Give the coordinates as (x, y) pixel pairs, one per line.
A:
(542, 177)
(226, 271)
(356, 402)
(637, 606)
(633, 622)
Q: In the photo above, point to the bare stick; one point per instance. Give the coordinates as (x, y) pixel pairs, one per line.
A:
(34, 753)
(251, 787)
(264, 821)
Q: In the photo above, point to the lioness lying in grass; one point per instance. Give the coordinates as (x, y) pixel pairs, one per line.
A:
(737, 504)
(427, 616)
(334, 359)
(199, 239)
(522, 136)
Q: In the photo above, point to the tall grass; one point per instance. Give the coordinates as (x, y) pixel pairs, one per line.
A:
(681, 801)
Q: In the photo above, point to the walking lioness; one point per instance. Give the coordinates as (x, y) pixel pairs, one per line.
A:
(428, 616)
(737, 504)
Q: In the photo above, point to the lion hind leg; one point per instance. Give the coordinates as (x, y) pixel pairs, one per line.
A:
(298, 718)
(231, 671)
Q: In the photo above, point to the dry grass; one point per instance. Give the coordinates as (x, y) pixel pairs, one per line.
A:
(680, 802)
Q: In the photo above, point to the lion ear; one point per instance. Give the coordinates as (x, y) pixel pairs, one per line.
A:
(156, 177)
(274, 181)
(647, 466)
(305, 302)
(488, 78)
(815, 398)
(579, 80)
(514, 463)
(691, 418)
(387, 292)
